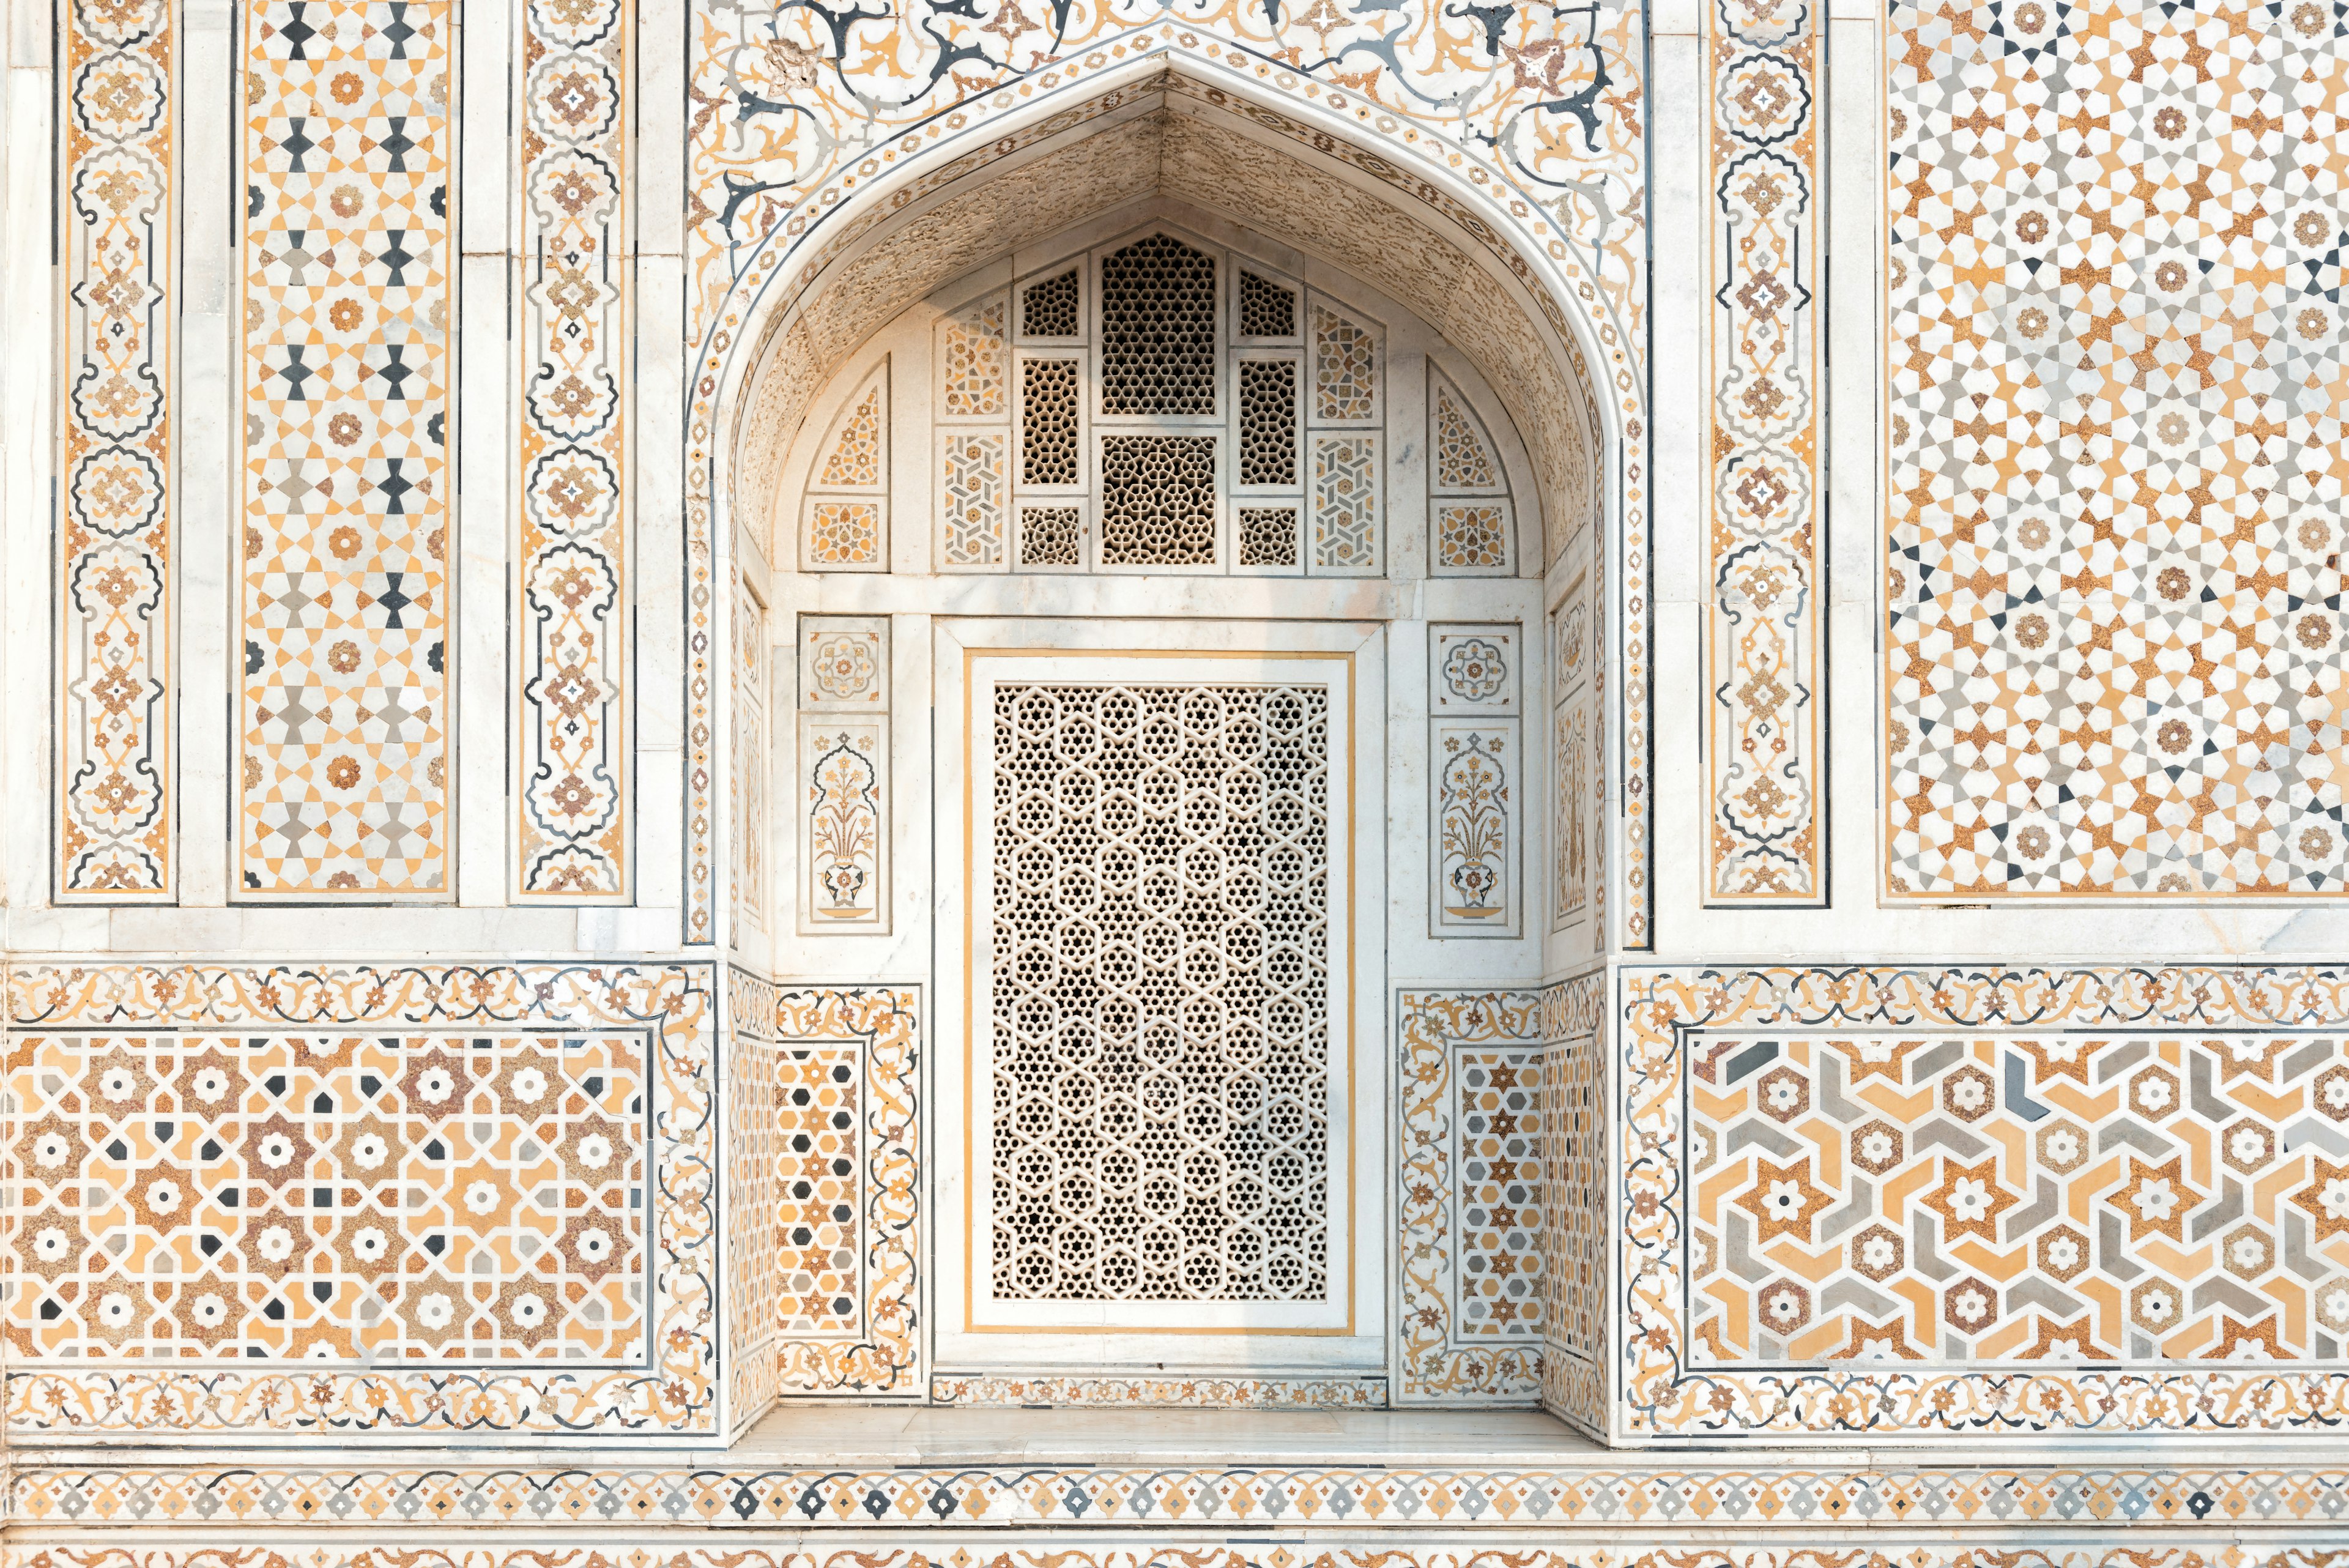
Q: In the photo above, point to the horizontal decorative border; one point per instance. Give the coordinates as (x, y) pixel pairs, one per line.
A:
(674, 1395)
(2068, 1499)
(1204, 1393)
(1662, 1398)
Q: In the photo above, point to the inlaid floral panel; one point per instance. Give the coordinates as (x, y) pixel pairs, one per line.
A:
(545, 1127)
(2113, 622)
(1766, 631)
(118, 269)
(573, 583)
(1915, 1200)
(347, 377)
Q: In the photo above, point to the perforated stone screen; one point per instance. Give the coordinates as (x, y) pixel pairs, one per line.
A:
(1160, 987)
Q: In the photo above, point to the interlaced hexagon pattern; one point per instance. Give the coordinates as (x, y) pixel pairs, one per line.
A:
(1159, 975)
(1158, 329)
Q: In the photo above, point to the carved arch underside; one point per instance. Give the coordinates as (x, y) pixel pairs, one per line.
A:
(1164, 141)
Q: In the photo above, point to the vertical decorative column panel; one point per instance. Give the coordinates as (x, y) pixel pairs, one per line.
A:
(843, 775)
(1765, 634)
(119, 263)
(570, 728)
(1476, 780)
(342, 715)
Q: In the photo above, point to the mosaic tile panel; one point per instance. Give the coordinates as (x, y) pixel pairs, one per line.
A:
(1572, 1105)
(2065, 1199)
(1613, 1492)
(571, 583)
(1444, 1358)
(1766, 558)
(2019, 1198)
(881, 1351)
(515, 1191)
(1467, 490)
(973, 492)
(331, 1197)
(347, 377)
(1503, 1147)
(1545, 171)
(817, 1182)
(752, 1287)
(2112, 614)
(119, 274)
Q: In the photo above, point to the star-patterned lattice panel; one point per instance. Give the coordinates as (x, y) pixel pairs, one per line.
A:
(332, 1195)
(2114, 358)
(117, 215)
(347, 377)
(571, 787)
(2019, 1198)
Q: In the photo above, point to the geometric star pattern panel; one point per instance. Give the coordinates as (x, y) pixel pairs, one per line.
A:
(344, 550)
(2019, 1198)
(2114, 640)
(327, 1196)
(571, 581)
(1763, 627)
(117, 228)
(358, 1198)
(1932, 1200)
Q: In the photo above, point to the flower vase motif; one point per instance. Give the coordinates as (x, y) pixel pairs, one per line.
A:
(1473, 798)
(847, 826)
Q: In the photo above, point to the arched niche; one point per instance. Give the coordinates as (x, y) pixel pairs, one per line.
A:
(1174, 137)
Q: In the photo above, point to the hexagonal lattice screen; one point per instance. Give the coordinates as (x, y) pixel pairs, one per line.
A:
(1160, 993)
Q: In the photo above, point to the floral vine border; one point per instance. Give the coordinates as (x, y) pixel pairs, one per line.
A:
(117, 238)
(1538, 111)
(573, 429)
(1662, 1398)
(1765, 635)
(674, 1394)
